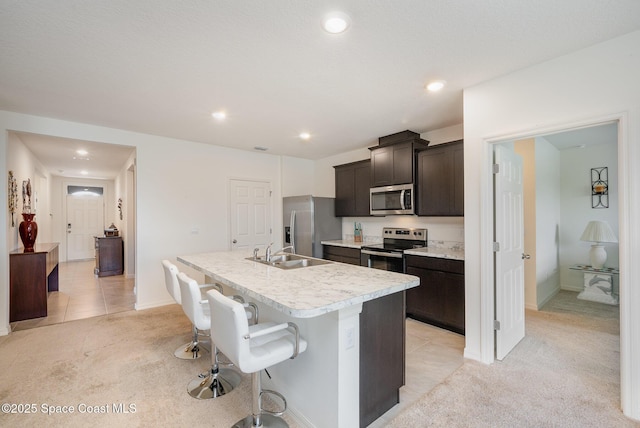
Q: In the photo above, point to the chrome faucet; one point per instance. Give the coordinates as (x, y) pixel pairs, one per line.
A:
(288, 247)
(269, 253)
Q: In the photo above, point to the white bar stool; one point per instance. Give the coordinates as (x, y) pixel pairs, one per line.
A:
(191, 350)
(217, 381)
(253, 349)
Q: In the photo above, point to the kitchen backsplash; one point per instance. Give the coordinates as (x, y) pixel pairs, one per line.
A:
(443, 232)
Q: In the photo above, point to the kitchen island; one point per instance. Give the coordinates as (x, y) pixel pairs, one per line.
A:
(322, 384)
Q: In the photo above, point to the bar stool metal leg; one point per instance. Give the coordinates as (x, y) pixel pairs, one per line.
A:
(191, 350)
(216, 383)
(259, 417)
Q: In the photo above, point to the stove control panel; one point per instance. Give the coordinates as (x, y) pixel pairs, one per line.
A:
(405, 233)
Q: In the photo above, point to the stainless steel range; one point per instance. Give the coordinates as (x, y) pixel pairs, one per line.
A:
(388, 255)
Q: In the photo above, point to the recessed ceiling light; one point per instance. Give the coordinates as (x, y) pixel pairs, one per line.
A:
(435, 86)
(336, 22)
(305, 135)
(83, 172)
(82, 152)
(219, 115)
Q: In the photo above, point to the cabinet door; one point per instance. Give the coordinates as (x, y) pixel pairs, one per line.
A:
(362, 177)
(392, 165)
(453, 315)
(441, 180)
(403, 163)
(382, 166)
(345, 191)
(352, 189)
(425, 301)
(458, 179)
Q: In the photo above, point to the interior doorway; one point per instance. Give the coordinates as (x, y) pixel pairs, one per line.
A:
(560, 214)
(87, 164)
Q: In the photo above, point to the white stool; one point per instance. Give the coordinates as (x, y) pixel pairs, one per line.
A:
(191, 350)
(253, 349)
(216, 382)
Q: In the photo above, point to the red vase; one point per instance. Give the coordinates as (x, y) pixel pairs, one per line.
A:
(28, 231)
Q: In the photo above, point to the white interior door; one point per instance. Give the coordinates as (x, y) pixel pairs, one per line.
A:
(509, 231)
(85, 220)
(250, 214)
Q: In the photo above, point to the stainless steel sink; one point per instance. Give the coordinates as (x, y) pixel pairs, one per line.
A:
(290, 261)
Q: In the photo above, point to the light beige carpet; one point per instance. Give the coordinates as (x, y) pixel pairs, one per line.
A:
(564, 373)
(122, 360)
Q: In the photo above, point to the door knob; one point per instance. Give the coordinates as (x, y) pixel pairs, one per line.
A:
(525, 256)
(235, 241)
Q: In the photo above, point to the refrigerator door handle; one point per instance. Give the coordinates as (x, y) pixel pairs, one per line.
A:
(292, 224)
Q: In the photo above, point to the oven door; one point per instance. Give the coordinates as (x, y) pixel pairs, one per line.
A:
(382, 260)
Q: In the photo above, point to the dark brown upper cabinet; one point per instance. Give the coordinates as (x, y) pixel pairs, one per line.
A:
(352, 182)
(393, 161)
(440, 180)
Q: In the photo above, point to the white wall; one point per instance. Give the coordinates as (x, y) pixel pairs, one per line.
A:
(181, 186)
(562, 93)
(548, 209)
(298, 177)
(577, 211)
(25, 166)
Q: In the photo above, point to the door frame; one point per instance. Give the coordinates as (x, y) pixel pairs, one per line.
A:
(487, 267)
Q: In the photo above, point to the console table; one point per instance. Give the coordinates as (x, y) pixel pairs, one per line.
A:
(599, 284)
(31, 276)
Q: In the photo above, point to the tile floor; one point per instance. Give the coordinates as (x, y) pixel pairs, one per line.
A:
(83, 295)
(432, 354)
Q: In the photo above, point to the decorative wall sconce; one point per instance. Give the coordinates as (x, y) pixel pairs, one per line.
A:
(600, 187)
(120, 207)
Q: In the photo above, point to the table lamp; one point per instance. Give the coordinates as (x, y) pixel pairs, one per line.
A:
(598, 232)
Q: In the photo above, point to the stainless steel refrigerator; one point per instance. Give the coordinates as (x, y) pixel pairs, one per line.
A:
(309, 220)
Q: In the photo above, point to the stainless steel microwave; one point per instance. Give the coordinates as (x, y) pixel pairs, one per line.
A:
(388, 200)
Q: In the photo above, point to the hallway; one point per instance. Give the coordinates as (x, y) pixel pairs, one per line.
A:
(83, 295)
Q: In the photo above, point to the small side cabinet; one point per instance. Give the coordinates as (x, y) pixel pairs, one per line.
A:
(109, 256)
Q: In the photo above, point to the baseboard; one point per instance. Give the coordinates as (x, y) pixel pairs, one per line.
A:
(570, 288)
(549, 297)
(155, 304)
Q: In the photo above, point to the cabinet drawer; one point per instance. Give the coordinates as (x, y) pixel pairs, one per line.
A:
(435, 263)
(341, 254)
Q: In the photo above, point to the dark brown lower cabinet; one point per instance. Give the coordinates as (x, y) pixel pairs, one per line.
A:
(382, 345)
(341, 254)
(439, 299)
(382, 355)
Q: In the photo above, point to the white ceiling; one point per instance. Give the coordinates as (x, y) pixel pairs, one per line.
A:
(585, 137)
(161, 67)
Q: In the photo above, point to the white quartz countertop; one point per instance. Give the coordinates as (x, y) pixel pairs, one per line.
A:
(443, 253)
(301, 293)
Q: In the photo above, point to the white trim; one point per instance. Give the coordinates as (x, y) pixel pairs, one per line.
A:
(487, 290)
